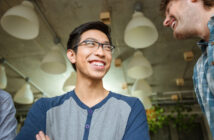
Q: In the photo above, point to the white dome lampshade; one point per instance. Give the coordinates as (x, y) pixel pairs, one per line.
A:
(3, 77)
(144, 98)
(54, 62)
(139, 67)
(24, 95)
(21, 21)
(143, 86)
(70, 82)
(140, 31)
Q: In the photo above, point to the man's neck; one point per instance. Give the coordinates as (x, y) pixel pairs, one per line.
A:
(90, 91)
(204, 32)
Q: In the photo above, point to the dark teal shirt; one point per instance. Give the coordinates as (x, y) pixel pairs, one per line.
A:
(65, 117)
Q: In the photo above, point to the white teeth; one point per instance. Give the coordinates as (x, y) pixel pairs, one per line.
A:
(98, 63)
(173, 24)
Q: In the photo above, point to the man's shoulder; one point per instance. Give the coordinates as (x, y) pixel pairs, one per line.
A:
(48, 103)
(131, 101)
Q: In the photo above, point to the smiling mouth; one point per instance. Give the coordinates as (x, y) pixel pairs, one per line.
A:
(97, 64)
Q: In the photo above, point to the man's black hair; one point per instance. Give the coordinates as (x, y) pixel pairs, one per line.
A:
(75, 35)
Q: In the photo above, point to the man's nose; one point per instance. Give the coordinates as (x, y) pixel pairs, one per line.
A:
(99, 51)
(166, 22)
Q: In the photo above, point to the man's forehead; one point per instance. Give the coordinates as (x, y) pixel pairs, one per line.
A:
(94, 34)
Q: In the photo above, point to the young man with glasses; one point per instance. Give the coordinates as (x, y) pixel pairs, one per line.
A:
(89, 112)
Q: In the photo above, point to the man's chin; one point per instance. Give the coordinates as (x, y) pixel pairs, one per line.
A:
(180, 36)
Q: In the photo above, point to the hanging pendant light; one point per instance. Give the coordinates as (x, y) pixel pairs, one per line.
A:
(54, 62)
(139, 67)
(140, 31)
(144, 98)
(143, 86)
(24, 95)
(70, 82)
(3, 77)
(21, 21)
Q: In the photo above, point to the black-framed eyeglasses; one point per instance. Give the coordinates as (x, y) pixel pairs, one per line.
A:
(94, 45)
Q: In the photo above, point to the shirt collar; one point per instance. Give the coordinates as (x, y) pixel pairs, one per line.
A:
(202, 45)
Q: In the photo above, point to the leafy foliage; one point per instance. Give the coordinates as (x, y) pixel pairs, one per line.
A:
(180, 116)
(155, 117)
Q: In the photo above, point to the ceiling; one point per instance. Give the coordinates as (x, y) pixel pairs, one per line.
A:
(61, 17)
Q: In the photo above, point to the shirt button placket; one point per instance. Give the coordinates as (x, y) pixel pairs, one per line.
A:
(88, 124)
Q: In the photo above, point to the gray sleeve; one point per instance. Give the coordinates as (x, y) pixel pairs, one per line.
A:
(8, 121)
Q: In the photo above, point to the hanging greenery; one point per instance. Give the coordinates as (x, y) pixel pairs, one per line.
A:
(156, 118)
(180, 116)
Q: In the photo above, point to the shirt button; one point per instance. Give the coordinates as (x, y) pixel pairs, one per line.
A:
(90, 111)
(87, 126)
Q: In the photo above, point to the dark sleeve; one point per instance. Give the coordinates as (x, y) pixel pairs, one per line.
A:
(35, 121)
(137, 127)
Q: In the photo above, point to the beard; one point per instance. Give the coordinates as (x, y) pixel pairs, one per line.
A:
(187, 24)
(184, 35)
(184, 32)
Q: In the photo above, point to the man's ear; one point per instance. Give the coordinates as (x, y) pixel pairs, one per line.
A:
(71, 56)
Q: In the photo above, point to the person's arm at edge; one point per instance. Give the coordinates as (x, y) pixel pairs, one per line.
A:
(8, 123)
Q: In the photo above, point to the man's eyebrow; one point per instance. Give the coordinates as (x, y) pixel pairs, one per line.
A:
(90, 38)
(106, 42)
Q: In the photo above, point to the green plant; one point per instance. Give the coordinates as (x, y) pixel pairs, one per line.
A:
(155, 117)
(180, 116)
